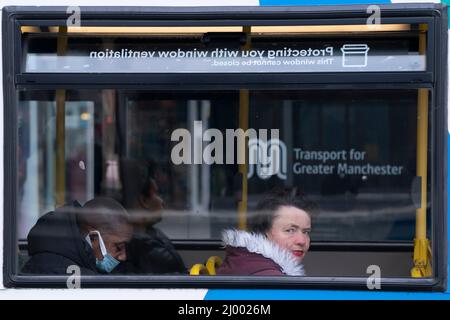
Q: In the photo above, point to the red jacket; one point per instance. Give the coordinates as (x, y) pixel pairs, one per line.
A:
(254, 254)
(239, 261)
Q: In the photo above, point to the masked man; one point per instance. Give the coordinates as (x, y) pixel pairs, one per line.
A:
(97, 238)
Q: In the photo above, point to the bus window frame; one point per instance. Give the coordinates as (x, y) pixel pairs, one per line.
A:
(433, 78)
(299, 16)
(227, 78)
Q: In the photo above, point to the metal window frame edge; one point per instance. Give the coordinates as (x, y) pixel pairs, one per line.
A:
(10, 14)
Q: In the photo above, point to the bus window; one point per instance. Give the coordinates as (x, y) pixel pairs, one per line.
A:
(353, 152)
(136, 146)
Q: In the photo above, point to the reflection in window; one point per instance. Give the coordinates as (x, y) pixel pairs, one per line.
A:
(353, 152)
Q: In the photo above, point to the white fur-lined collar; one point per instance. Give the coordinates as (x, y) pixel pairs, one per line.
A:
(257, 243)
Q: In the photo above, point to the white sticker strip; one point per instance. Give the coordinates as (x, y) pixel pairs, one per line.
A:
(103, 294)
(415, 1)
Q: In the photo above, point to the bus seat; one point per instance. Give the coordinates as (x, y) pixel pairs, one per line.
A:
(212, 263)
(198, 269)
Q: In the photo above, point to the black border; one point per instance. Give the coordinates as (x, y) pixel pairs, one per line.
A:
(434, 14)
(202, 245)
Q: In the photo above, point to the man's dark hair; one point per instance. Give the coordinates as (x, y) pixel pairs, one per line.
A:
(104, 214)
(137, 177)
(262, 220)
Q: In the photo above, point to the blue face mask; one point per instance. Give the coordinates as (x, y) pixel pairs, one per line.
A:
(109, 262)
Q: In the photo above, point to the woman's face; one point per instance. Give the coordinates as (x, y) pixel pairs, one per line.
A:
(290, 230)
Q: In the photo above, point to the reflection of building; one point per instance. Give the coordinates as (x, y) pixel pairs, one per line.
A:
(201, 200)
(37, 156)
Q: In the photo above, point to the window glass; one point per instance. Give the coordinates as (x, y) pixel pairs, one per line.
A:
(353, 152)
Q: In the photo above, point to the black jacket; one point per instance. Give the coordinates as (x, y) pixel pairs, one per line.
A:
(55, 243)
(151, 252)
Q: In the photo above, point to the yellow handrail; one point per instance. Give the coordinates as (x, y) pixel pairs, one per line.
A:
(60, 175)
(422, 251)
(198, 269)
(212, 263)
(243, 124)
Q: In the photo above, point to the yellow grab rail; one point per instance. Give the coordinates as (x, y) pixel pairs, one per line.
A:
(244, 101)
(212, 263)
(422, 251)
(60, 170)
(198, 269)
